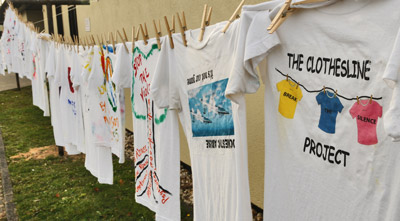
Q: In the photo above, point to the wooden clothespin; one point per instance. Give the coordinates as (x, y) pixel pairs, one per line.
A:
(93, 41)
(158, 34)
(297, 86)
(370, 100)
(233, 17)
(281, 16)
(123, 41)
(144, 35)
(88, 41)
(99, 41)
(336, 93)
(173, 24)
(358, 100)
(84, 44)
(184, 21)
(287, 77)
(126, 37)
(208, 19)
(203, 23)
(324, 90)
(182, 30)
(171, 42)
(107, 40)
(146, 32)
(100, 44)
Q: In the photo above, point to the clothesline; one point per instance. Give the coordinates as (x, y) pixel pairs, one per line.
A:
(62, 12)
(329, 88)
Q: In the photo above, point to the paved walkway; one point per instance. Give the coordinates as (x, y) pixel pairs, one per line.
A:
(9, 81)
(7, 206)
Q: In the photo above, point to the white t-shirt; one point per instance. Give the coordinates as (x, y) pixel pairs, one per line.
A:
(39, 87)
(53, 62)
(68, 100)
(193, 80)
(78, 135)
(112, 104)
(98, 152)
(156, 134)
(326, 157)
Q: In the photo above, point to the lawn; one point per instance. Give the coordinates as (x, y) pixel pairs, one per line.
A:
(61, 187)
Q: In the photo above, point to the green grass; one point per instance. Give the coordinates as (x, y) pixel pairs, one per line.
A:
(60, 188)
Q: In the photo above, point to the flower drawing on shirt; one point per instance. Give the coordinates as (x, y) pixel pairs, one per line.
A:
(148, 183)
(366, 113)
(108, 86)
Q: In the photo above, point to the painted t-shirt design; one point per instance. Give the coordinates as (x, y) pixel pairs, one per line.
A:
(108, 73)
(330, 107)
(290, 95)
(367, 114)
(210, 110)
(147, 181)
(108, 87)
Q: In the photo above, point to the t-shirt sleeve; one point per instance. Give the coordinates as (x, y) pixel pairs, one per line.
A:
(353, 111)
(339, 106)
(160, 85)
(392, 70)
(96, 75)
(122, 76)
(392, 116)
(279, 86)
(378, 110)
(299, 93)
(50, 61)
(319, 98)
(253, 45)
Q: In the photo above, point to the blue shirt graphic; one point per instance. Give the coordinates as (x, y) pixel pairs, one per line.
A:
(330, 107)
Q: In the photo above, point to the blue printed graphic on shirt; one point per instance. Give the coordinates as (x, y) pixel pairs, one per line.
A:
(330, 107)
(210, 110)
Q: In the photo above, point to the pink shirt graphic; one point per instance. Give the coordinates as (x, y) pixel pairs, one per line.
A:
(367, 118)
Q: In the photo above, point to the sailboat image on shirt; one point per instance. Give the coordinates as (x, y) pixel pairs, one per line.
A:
(210, 110)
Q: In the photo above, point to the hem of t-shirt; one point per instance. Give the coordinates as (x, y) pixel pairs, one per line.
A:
(105, 181)
(146, 204)
(158, 102)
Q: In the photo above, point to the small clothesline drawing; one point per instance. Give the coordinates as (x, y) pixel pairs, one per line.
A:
(328, 88)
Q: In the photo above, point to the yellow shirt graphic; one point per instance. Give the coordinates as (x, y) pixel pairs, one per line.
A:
(290, 95)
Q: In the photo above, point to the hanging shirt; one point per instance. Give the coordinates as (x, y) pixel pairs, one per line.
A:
(98, 152)
(156, 133)
(78, 134)
(53, 62)
(311, 174)
(40, 94)
(330, 107)
(192, 80)
(111, 107)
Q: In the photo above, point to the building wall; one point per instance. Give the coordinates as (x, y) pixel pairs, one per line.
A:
(111, 15)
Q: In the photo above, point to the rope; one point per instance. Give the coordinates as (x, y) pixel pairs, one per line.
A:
(329, 88)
